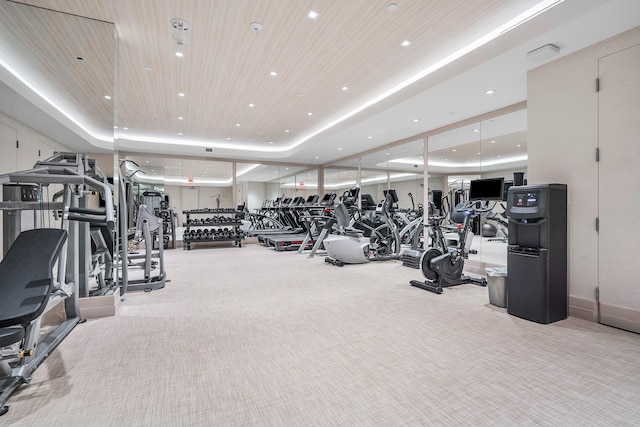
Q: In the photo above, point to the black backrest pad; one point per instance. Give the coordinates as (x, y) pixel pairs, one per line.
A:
(26, 275)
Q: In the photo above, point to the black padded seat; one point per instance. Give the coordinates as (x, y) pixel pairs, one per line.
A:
(26, 277)
(11, 335)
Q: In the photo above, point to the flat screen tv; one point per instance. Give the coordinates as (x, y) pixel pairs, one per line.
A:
(486, 189)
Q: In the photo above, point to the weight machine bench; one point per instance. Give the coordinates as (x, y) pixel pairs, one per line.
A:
(28, 290)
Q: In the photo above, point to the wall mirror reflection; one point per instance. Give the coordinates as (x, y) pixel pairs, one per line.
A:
(490, 149)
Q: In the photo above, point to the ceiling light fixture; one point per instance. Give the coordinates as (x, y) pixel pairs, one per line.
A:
(252, 105)
(416, 120)
(406, 43)
(490, 91)
(313, 14)
(273, 74)
(180, 94)
(107, 97)
(255, 26)
(180, 118)
(345, 88)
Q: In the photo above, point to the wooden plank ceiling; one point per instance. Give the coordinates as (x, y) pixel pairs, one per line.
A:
(226, 65)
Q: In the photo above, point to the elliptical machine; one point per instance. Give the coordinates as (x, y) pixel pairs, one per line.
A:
(442, 266)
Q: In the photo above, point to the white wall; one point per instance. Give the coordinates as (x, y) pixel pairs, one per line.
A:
(562, 140)
(32, 148)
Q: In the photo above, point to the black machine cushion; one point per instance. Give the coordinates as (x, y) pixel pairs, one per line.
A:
(26, 278)
(11, 335)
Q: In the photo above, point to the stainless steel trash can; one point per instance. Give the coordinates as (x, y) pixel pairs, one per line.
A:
(497, 285)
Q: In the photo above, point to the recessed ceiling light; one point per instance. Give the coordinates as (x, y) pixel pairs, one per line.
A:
(493, 141)
(107, 97)
(453, 149)
(237, 124)
(446, 159)
(125, 128)
(490, 91)
(270, 142)
(369, 137)
(406, 43)
(309, 114)
(313, 14)
(416, 120)
(498, 155)
(339, 149)
(317, 157)
(146, 161)
(179, 133)
(179, 54)
(518, 145)
(180, 118)
(345, 88)
(273, 73)
(228, 138)
(180, 93)
(476, 130)
(287, 130)
(252, 105)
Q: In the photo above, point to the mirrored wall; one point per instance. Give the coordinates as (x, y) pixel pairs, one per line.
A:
(492, 148)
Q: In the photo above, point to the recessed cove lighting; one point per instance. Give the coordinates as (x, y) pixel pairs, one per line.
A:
(313, 14)
(406, 43)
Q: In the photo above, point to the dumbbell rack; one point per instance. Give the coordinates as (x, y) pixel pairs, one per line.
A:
(219, 225)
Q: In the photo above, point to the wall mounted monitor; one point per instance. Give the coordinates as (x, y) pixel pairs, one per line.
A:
(486, 189)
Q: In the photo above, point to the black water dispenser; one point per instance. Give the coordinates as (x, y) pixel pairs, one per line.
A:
(537, 252)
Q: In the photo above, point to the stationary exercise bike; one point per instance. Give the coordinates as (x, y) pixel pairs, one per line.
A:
(442, 265)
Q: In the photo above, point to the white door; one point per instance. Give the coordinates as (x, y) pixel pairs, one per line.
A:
(8, 151)
(619, 189)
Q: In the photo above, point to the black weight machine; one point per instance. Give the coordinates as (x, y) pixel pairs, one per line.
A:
(29, 287)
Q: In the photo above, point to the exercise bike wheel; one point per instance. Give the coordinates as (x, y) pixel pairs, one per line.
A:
(425, 264)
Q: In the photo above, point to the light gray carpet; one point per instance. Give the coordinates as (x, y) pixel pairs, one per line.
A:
(247, 336)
